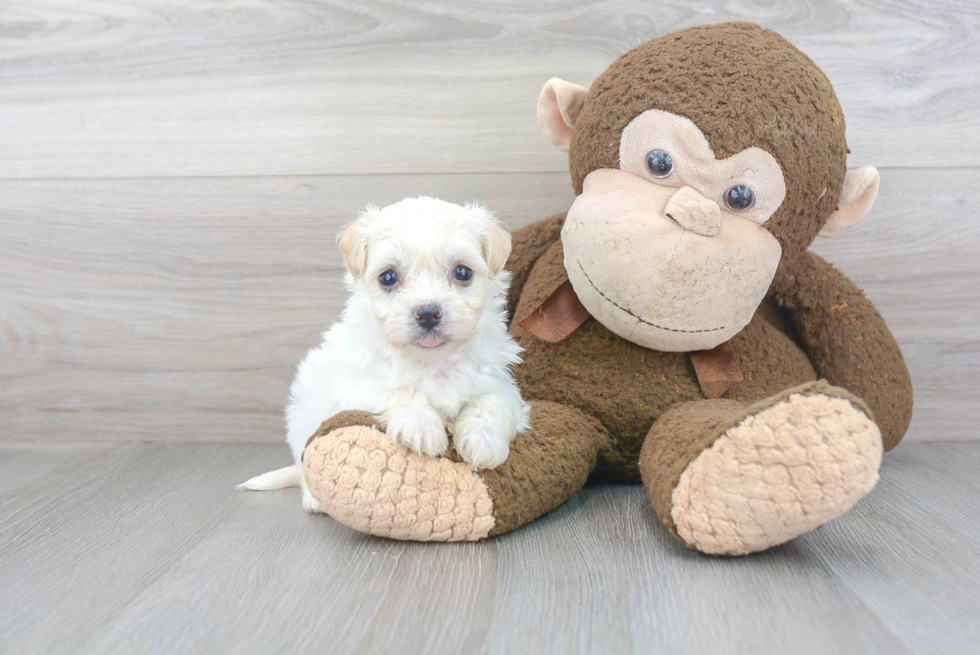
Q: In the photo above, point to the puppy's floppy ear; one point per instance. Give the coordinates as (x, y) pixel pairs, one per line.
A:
(353, 242)
(496, 239)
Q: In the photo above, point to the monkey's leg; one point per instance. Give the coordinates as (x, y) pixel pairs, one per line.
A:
(729, 479)
(362, 479)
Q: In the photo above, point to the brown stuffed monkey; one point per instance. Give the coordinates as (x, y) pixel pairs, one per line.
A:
(676, 329)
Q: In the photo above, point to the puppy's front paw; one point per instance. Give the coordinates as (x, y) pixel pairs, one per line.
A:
(481, 439)
(419, 428)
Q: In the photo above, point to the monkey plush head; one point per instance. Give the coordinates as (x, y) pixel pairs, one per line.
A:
(700, 160)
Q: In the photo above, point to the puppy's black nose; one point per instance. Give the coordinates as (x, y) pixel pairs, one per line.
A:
(428, 316)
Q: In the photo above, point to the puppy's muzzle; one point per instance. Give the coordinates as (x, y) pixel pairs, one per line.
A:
(428, 316)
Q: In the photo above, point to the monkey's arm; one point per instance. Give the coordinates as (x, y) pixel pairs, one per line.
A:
(528, 243)
(847, 339)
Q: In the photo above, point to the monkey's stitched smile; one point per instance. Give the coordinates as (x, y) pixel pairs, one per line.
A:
(639, 318)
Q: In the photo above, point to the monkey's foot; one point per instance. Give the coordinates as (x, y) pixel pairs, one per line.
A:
(364, 480)
(782, 471)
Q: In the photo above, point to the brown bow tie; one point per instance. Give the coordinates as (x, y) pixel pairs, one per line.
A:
(562, 313)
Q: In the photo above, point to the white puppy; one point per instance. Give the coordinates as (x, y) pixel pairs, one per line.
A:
(422, 343)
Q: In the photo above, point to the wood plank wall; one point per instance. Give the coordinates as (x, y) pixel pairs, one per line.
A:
(173, 172)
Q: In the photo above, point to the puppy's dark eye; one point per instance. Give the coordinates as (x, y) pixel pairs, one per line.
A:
(739, 197)
(389, 279)
(462, 274)
(660, 163)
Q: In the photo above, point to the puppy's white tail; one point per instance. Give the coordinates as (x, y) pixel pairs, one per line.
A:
(287, 476)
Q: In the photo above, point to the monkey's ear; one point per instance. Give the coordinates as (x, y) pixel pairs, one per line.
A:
(353, 242)
(857, 196)
(496, 240)
(559, 105)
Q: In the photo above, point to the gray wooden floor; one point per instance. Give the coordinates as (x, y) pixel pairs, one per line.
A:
(146, 548)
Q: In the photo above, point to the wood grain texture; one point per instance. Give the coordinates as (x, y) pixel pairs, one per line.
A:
(935, 570)
(23, 463)
(110, 88)
(113, 527)
(919, 261)
(148, 549)
(177, 309)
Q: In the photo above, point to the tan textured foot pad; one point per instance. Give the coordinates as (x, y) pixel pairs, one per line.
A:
(777, 474)
(366, 481)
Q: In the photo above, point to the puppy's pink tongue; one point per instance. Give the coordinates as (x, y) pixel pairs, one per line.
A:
(430, 342)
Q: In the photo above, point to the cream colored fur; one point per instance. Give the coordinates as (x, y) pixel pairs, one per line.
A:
(419, 383)
(780, 473)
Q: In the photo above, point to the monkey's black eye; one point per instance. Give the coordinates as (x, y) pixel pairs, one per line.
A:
(739, 197)
(462, 274)
(660, 163)
(389, 278)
